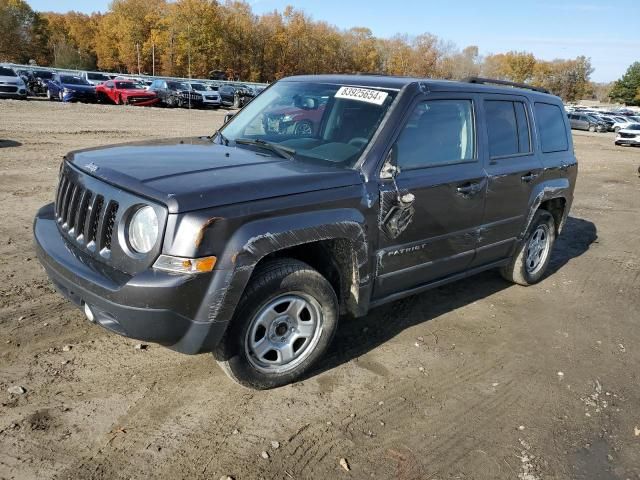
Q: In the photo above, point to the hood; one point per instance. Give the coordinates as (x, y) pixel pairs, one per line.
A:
(79, 88)
(194, 173)
(10, 80)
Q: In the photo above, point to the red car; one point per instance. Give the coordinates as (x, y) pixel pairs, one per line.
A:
(125, 92)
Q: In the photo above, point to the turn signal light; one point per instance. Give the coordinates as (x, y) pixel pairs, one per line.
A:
(169, 263)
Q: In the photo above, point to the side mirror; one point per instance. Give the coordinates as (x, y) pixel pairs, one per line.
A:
(228, 117)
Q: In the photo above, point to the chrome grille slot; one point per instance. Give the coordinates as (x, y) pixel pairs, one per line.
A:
(109, 223)
(94, 219)
(81, 217)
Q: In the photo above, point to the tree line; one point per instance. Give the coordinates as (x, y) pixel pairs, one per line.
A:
(197, 37)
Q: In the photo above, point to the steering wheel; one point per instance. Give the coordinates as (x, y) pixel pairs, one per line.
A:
(358, 142)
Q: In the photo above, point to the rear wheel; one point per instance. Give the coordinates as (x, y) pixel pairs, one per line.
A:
(531, 259)
(49, 96)
(283, 324)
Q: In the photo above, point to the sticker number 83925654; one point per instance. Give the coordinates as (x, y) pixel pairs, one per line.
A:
(362, 94)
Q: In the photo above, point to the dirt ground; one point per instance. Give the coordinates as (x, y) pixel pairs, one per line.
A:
(476, 380)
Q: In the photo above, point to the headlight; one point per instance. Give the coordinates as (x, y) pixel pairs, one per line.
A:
(143, 230)
(66, 91)
(287, 118)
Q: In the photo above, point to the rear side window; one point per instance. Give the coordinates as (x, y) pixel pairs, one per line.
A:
(438, 132)
(508, 128)
(553, 134)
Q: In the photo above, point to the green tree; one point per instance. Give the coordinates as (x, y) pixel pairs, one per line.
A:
(626, 89)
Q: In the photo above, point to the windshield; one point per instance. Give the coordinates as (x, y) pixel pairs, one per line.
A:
(43, 74)
(176, 86)
(129, 86)
(314, 121)
(73, 80)
(198, 86)
(97, 76)
(635, 126)
(7, 72)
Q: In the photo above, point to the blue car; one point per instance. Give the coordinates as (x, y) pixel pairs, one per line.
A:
(70, 88)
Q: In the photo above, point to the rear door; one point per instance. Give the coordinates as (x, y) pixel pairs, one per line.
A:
(514, 168)
(431, 214)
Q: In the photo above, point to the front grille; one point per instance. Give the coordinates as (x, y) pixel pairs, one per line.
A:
(8, 89)
(85, 216)
(627, 135)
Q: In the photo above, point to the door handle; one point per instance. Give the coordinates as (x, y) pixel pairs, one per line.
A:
(469, 189)
(529, 177)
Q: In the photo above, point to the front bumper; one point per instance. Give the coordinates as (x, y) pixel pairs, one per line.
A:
(73, 96)
(627, 141)
(121, 303)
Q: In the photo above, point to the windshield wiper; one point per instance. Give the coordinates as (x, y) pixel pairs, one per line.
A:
(284, 152)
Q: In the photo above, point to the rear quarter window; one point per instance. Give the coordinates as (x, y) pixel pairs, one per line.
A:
(553, 133)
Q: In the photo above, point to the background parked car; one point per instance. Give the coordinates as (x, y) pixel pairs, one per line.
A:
(94, 78)
(168, 91)
(629, 135)
(236, 96)
(198, 95)
(41, 79)
(623, 123)
(11, 85)
(125, 92)
(70, 88)
(581, 121)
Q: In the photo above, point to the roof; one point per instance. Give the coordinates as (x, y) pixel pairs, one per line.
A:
(399, 82)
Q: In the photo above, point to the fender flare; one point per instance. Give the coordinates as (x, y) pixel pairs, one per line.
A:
(255, 240)
(549, 190)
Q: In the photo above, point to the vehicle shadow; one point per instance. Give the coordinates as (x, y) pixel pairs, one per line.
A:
(356, 337)
(9, 143)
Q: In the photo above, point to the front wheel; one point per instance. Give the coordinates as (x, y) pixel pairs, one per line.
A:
(531, 259)
(284, 323)
(592, 128)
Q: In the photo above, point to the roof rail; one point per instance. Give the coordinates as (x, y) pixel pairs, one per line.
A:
(493, 81)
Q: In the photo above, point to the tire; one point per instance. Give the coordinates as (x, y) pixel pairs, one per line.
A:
(49, 96)
(592, 128)
(616, 129)
(525, 270)
(303, 129)
(171, 101)
(261, 317)
(236, 101)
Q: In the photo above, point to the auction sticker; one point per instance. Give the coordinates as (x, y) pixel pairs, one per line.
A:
(362, 94)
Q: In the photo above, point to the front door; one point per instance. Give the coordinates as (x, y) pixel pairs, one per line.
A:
(431, 213)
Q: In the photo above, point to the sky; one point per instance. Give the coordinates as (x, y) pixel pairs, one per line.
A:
(604, 30)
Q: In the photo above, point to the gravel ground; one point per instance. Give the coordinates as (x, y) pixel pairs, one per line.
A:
(479, 379)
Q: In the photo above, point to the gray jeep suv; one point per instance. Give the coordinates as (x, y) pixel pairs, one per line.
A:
(253, 242)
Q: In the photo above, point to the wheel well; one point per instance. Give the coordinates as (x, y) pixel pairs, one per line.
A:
(334, 259)
(555, 207)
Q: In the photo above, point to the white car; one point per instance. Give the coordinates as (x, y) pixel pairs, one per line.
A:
(210, 98)
(95, 78)
(629, 135)
(622, 123)
(11, 85)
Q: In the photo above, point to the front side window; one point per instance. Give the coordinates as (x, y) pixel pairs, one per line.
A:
(312, 121)
(553, 134)
(438, 132)
(507, 128)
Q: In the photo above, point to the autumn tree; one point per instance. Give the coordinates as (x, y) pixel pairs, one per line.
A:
(627, 88)
(23, 33)
(513, 66)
